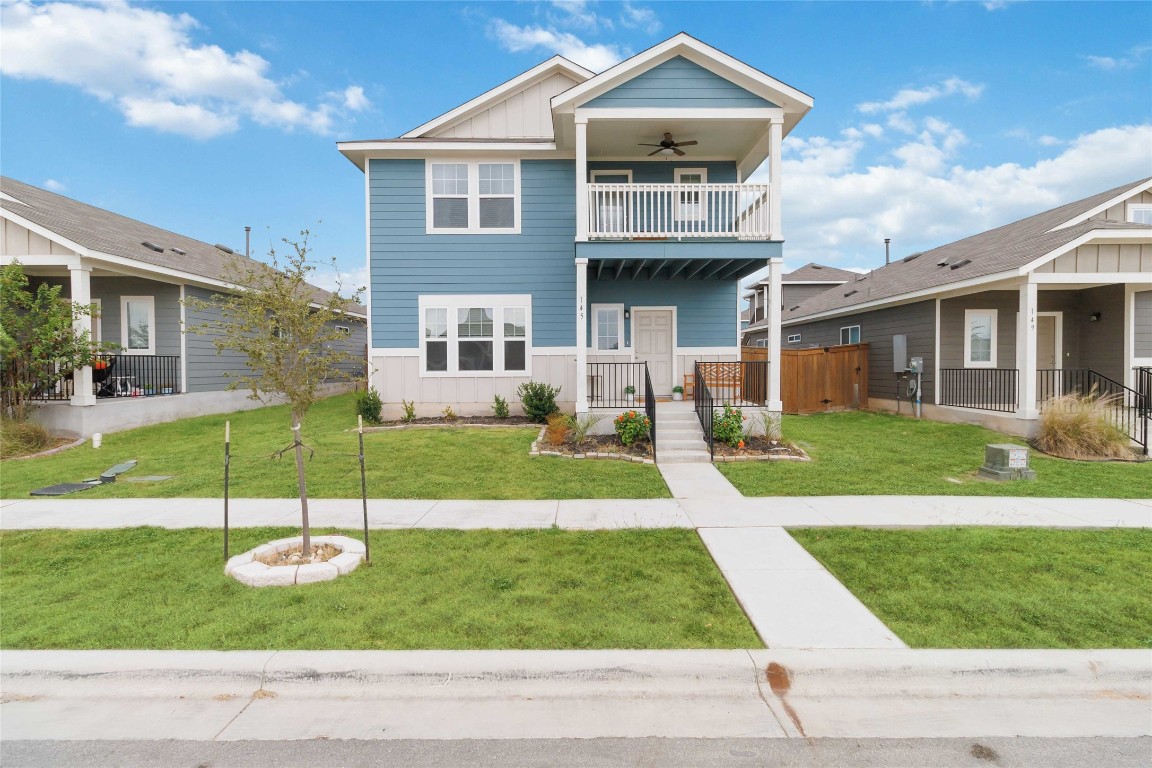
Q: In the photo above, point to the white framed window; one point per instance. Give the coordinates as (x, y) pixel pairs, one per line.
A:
(608, 327)
(1140, 213)
(761, 342)
(690, 206)
(979, 338)
(97, 332)
(849, 334)
(793, 338)
(611, 206)
(473, 197)
(138, 325)
(475, 335)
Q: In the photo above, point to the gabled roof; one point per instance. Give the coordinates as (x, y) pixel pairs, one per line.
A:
(1004, 250)
(96, 232)
(819, 273)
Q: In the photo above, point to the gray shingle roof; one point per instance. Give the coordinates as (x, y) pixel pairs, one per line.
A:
(818, 273)
(99, 230)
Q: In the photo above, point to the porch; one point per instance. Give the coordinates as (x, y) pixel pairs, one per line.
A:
(119, 376)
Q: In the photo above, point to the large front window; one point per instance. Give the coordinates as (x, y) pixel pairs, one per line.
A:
(473, 197)
(607, 331)
(138, 324)
(979, 338)
(483, 335)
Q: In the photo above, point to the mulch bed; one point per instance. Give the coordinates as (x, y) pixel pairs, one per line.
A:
(460, 421)
(601, 444)
(759, 448)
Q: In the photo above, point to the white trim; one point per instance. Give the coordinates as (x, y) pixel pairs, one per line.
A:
(393, 352)
(455, 301)
(1141, 187)
(96, 332)
(368, 252)
(473, 196)
(677, 206)
(150, 303)
(749, 114)
(794, 338)
(936, 359)
(720, 350)
(183, 342)
(675, 334)
(592, 174)
(1059, 337)
(991, 362)
(1104, 236)
(1100, 278)
(593, 310)
(1132, 208)
(849, 329)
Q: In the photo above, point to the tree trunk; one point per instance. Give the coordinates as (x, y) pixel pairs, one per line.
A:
(307, 544)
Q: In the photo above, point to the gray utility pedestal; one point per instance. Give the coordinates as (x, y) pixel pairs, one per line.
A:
(1004, 461)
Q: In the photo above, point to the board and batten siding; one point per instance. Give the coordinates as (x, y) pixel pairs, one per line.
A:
(406, 262)
(678, 82)
(526, 114)
(1107, 258)
(1142, 337)
(1119, 212)
(917, 321)
(17, 241)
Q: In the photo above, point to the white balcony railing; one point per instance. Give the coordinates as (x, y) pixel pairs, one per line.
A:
(623, 211)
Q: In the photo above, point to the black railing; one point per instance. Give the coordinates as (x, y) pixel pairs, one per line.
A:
(136, 375)
(702, 400)
(989, 389)
(1128, 408)
(1142, 381)
(617, 385)
(650, 410)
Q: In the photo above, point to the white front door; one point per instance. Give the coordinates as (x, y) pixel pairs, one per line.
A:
(1047, 344)
(653, 343)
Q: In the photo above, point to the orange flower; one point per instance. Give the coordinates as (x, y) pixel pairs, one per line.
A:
(740, 444)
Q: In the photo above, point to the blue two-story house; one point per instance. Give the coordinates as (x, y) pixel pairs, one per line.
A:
(565, 221)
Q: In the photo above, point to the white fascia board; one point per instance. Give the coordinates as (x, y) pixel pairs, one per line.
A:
(813, 282)
(1096, 278)
(751, 114)
(1102, 236)
(486, 99)
(1143, 186)
(360, 152)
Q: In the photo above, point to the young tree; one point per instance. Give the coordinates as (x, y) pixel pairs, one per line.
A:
(39, 343)
(287, 330)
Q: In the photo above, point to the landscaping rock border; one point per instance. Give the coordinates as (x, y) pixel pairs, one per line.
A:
(50, 451)
(536, 450)
(247, 570)
(765, 457)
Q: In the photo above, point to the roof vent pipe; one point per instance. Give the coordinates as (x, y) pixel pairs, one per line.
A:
(247, 242)
(887, 250)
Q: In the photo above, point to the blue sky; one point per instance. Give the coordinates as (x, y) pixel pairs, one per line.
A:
(932, 120)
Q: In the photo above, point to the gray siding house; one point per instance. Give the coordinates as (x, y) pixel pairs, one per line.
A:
(567, 224)
(1079, 275)
(797, 286)
(138, 276)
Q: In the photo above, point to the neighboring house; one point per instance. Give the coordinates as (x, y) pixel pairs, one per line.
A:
(1081, 277)
(566, 221)
(138, 276)
(797, 286)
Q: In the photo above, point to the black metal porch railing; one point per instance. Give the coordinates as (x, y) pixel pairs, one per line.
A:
(1142, 381)
(1127, 409)
(650, 410)
(616, 385)
(988, 389)
(121, 376)
(704, 404)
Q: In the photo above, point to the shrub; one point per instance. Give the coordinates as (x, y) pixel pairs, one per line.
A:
(538, 399)
(772, 424)
(1079, 427)
(679, 390)
(729, 428)
(21, 438)
(557, 430)
(409, 407)
(632, 426)
(581, 425)
(500, 407)
(369, 404)
(449, 414)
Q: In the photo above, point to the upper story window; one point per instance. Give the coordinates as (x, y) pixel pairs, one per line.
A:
(691, 203)
(1140, 213)
(473, 197)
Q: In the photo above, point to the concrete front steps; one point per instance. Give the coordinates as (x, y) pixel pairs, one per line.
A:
(679, 438)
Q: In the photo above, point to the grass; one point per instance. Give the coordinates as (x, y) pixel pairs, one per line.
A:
(435, 589)
(997, 587)
(863, 453)
(448, 463)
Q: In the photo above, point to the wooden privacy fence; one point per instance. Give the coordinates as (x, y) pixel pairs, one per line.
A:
(820, 379)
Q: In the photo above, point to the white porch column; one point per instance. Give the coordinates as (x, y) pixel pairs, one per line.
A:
(81, 293)
(775, 139)
(581, 179)
(1026, 351)
(581, 335)
(775, 297)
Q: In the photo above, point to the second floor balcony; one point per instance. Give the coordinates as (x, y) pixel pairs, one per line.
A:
(727, 211)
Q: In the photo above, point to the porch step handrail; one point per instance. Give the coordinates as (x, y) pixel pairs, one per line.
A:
(704, 404)
(1129, 411)
(650, 409)
(729, 210)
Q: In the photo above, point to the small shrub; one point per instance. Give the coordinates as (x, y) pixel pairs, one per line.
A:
(500, 407)
(409, 407)
(729, 427)
(632, 426)
(449, 414)
(629, 390)
(557, 430)
(581, 425)
(538, 400)
(679, 390)
(772, 424)
(369, 404)
(1078, 427)
(21, 438)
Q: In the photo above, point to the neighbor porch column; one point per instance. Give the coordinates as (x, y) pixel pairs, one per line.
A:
(775, 296)
(1026, 350)
(581, 335)
(775, 139)
(581, 179)
(81, 293)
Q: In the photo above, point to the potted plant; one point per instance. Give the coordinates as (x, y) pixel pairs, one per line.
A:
(149, 390)
(677, 392)
(630, 394)
(166, 388)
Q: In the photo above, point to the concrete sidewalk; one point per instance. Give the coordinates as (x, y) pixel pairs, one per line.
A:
(263, 695)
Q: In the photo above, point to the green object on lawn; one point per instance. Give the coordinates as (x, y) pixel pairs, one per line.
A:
(109, 475)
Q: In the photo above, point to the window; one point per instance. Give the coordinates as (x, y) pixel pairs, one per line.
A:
(849, 334)
(1140, 213)
(691, 204)
(137, 325)
(761, 342)
(475, 334)
(473, 197)
(97, 332)
(979, 338)
(793, 338)
(611, 205)
(343, 330)
(607, 328)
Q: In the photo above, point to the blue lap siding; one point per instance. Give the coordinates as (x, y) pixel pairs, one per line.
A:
(678, 82)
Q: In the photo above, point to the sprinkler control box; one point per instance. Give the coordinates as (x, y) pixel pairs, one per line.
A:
(1006, 462)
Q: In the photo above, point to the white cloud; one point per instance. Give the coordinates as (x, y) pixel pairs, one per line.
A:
(577, 13)
(346, 282)
(911, 97)
(519, 39)
(1049, 141)
(639, 17)
(1130, 60)
(146, 63)
(354, 98)
(54, 186)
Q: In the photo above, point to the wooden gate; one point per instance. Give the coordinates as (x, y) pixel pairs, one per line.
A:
(820, 379)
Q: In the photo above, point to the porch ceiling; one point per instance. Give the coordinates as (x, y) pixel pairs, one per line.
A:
(648, 268)
(719, 139)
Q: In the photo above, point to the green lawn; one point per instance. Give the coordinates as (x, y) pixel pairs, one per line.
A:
(448, 463)
(997, 587)
(435, 589)
(861, 453)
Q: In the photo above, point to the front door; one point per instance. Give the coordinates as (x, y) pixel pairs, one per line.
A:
(1049, 383)
(653, 344)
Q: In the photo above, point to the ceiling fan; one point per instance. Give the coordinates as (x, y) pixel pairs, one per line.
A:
(668, 146)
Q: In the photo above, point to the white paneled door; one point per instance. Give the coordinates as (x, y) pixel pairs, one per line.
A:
(653, 344)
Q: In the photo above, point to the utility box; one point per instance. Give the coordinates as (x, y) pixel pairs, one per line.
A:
(899, 353)
(1006, 462)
